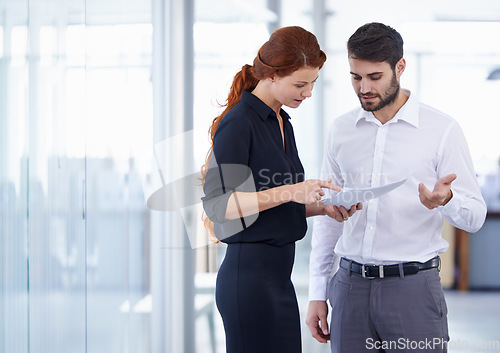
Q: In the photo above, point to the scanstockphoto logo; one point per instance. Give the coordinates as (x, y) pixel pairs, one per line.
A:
(348, 197)
(475, 346)
(433, 344)
(172, 182)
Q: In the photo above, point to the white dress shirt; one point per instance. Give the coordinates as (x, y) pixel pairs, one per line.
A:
(420, 144)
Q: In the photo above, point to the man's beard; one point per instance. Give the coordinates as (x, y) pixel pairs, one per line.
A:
(389, 97)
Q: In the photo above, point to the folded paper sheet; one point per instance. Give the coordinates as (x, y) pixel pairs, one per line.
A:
(348, 197)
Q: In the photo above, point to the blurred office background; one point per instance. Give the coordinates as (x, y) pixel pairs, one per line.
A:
(89, 89)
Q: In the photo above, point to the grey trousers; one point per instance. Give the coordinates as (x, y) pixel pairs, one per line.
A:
(392, 314)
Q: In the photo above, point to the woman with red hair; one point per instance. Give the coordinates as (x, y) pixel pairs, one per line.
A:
(256, 198)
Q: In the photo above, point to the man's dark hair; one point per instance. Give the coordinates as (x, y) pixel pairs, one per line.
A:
(376, 42)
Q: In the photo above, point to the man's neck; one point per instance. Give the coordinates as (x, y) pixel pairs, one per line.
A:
(389, 111)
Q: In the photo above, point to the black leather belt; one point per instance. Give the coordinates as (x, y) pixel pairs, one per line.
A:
(380, 271)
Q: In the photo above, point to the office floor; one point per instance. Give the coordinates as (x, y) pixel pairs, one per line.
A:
(473, 320)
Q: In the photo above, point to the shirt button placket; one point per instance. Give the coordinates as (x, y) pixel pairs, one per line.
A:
(376, 176)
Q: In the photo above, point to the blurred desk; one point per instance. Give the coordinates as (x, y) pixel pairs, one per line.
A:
(484, 247)
(471, 261)
(138, 314)
(462, 259)
(204, 282)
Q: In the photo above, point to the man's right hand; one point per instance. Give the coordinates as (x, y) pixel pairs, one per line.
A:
(316, 320)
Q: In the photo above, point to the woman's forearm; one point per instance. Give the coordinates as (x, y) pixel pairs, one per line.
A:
(309, 192)
(316, 209)
(243, 204)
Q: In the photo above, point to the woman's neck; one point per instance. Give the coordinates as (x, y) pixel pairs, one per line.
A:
(263, 92)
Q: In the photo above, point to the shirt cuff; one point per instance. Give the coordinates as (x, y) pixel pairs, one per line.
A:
(216, 207)
(318, 288)
(452, 208)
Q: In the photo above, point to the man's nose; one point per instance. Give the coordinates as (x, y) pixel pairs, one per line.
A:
(365, 86)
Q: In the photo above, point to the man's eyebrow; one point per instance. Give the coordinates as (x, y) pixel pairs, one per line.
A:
(373, 73)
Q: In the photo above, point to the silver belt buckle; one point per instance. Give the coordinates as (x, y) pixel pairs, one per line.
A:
(380, 272)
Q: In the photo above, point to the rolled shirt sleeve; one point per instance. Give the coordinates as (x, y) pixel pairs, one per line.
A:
(228, 172)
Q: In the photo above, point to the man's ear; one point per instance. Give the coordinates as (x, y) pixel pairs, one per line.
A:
(400, 67)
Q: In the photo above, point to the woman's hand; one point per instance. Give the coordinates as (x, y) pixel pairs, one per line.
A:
(311, 191)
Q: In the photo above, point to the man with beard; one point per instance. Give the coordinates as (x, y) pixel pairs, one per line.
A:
(386, 295)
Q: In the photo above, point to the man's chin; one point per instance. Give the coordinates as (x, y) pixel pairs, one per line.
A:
(369, 107)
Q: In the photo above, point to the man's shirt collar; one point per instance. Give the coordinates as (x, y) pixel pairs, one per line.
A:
(408, 112)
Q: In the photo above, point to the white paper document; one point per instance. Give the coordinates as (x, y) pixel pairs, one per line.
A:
(348, 197)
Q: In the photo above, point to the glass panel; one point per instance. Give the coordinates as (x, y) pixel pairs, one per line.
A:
(13, 178)
(227, 35)
(119, 125)
(56, 181)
